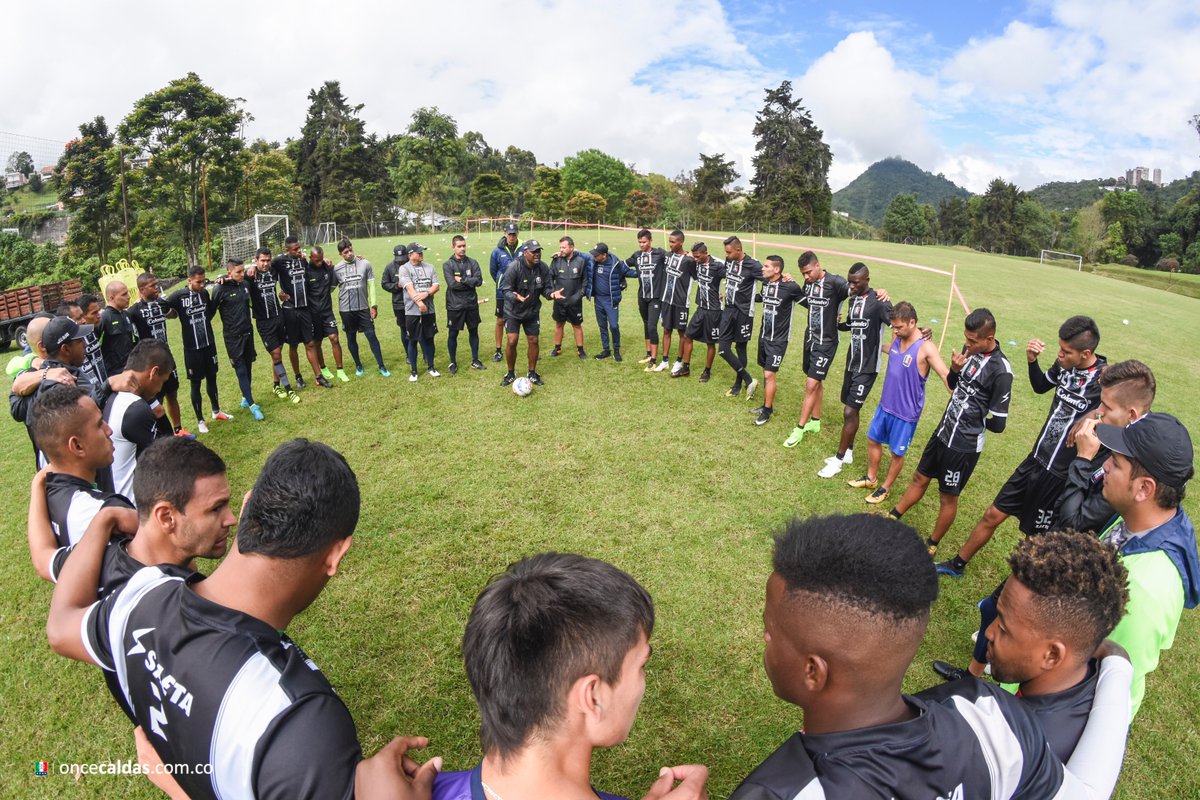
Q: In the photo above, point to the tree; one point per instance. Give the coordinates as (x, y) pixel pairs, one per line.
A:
(183, 128)
(1130, 212)
(992, 217)
(21, 162)
(643, 209)
(1087, 232)
(586, 207)
(426, 157)
(478, 158)
(904, 219)
(491, 194)
(791, 162)
(269, 185)
(598, 173)
(710, 182)
(545, 196)
(953, 220)
(1033, 228)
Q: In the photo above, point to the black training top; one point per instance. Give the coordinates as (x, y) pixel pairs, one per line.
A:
(983, 387)
(195, 312)
(232, 301)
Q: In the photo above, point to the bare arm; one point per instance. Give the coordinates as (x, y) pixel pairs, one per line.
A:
(934, 362)
(76, 592)
(42, 544)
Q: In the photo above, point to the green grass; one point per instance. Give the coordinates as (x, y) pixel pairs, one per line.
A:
(1177, 282)
(667, 479)
(24, 199)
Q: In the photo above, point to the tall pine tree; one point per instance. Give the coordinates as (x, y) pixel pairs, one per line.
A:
(791, 163)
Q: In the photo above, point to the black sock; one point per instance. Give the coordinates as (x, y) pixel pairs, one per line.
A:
(958, 563)
(896, 514)
(929, 541)
(841, 455)
(579, 348)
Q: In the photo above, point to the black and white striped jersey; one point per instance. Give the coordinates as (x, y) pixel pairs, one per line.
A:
(195, 312)
(1076, 394)
(984, 388)
(740, 278)
(263, 298)
(866, 318)
(291, 272)
(134, 427)
(824, 298)
(213, 686)
(72, 503)
(150, 319)
(708, 284)
(678, 271)
(778, 301)
(93, 359)
(650, 265)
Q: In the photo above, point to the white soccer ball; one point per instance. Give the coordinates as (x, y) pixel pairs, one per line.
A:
(522, 387)
(1124, 322)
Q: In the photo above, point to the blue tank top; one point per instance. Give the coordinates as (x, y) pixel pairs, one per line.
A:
(903, 384)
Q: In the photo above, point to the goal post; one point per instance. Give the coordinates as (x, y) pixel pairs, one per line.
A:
(1055, 258)
(243, 239)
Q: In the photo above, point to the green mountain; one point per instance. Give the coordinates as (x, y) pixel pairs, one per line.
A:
(868, 195)
(1069, 195)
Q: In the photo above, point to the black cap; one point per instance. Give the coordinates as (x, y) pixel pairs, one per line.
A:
(417, 248)
(534, 245)
(400, 250)
(1158, 442)
(61, 330)
(600, 249)
(510, 227)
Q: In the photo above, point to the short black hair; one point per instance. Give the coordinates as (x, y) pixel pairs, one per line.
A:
(806, 258)
(1132, 380)
(644, 233)
(980, 321)
(234, 262)
(292, 239)
(316, 248)
(568, 240)
(64, 308)
(776, 260)
(86, 301)
(305, 499)
(195, 270)
(858, 267)
(168, 469)
(1080, 586)
(47, 315)
(535, 629)
(732, 241)
(699, 247)
(903, 310)
(262, 251)
(343, 244)
(55, 413)
(1165, 495)
(872, 565)
(1080, 332)
(678, 234)
(145, 279)
(458, 237)
(150, 353)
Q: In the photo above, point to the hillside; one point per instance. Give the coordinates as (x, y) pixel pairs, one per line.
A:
(868, 195)
(1068, 195)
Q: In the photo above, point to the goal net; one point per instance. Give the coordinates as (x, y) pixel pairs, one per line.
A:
(1054, 258)
(321, 233)
(262, 230)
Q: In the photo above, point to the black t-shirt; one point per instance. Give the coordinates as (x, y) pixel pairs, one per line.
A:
(866, 318)
(532, 283)
(291, 272)
(117, 337)
(649, 264)
(211, 685)
(195, 317)
(319, 283)
(708, 284)
(150, 319)
(824, 297)
(678, 271)
(570, 275)
(779, 299)
(72, 503)
(262, 294)
(739, 284)
(232, 301)
(93, 358)
(1076, 394)
(979, 742)
(983, 388)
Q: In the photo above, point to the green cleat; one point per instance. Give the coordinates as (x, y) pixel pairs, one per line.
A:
(813, 426)
(326, 374)
(342, 376)
(794, 438)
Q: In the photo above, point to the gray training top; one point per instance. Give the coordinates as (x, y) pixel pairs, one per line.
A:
(356, 285)
(422, 276)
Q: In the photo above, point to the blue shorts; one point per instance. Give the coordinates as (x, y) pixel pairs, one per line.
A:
(889, 429)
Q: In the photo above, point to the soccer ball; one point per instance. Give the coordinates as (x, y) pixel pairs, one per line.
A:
(522, 387)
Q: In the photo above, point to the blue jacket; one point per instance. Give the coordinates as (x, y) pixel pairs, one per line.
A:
(498, 263)
(613, 271)
(1176, 538)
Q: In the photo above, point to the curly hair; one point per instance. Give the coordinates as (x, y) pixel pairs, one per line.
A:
(1080, 584)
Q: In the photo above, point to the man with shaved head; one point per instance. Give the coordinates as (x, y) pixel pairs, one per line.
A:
(115, 330)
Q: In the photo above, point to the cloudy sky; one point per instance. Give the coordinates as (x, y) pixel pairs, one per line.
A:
(1030, 91)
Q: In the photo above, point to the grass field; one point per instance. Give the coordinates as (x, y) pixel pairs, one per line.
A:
(667, 479)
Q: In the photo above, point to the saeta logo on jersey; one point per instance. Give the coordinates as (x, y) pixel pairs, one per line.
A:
(163, 685)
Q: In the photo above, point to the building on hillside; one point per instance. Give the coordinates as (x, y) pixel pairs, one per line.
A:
(1139, 174)
(14, 180)
(1158, 177)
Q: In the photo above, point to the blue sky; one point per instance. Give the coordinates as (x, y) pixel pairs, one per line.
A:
(1028, 91)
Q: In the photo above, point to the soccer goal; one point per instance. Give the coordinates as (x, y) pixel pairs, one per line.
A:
(321, 233)
(262, 230)
(1056, 259)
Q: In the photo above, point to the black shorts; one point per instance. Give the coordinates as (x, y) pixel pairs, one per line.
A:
(421, 327)
(463, 318)
(323, 322)
(171, 386)
(201, 364)
(357, 321)
(770, 353)
(735, 326)
(567, 312)
(650, 310)
(1031, 495)
(674, 318)
(704, 326)
(952, 468)
(240, 349)
(856, 386)
(532, 326)
(818, 359)
(500, 307)
(297, 326)
(271, 332)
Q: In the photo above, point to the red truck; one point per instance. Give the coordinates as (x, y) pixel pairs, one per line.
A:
(17, 307)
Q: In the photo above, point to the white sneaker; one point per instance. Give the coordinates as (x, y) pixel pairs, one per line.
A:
(412, 377)
(201, 426)
(849, 459)
(833, 459)
(675, 368)
(662, 367)
(830, 469)
(433, 373)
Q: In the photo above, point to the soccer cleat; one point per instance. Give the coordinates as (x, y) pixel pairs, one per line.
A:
(948, 672)
(343, 377)
(685, 372)
(662, 366)
(831, 468)
(813, 426)
(794, 437)
(879, 495)
(705, 376)
(764, 416)
(733, 391)
(323, 382)
(932, 550)
(184, 434)
(947, 568)
(293, 397)
(201, 427)
(649, 367)
(617, 356)
(221, 415)
(433, 373)
(497, 357)
(383, 372)
(582, 354)
(750, 387)
(649, 359)
(256, 412)
(326, 374)
(849, 457)
(300, 384)
(535, 379)
(602, 354)
(864, 482)
(280, 392)
(245, 403)
(678, 365)
(358, 372)
(757, 409)
(412, 377)
(477, 364)
(556, 352)
(453, 368)
(508, 379)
